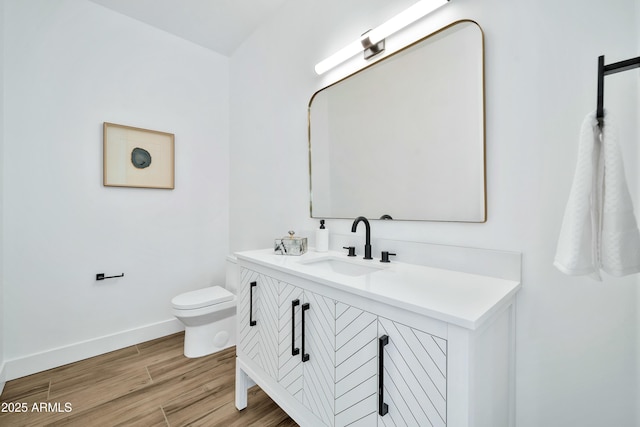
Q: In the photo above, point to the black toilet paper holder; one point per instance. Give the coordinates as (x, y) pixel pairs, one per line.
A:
(101, 276)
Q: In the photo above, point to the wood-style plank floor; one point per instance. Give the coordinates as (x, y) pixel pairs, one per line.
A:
(149, 384)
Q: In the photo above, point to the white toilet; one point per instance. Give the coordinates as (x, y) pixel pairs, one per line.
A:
(209, 315)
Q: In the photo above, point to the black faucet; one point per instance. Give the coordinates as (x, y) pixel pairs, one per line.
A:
(367, 245)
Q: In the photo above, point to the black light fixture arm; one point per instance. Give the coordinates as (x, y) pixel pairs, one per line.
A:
(605, 70)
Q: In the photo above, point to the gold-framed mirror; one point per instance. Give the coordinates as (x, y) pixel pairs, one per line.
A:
(404, 137)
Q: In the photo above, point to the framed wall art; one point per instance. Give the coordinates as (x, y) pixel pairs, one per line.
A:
(134, 157)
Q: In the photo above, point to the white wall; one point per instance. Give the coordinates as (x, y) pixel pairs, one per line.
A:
(2, 323)
(70, 65)
(576, 356)
(638, 180)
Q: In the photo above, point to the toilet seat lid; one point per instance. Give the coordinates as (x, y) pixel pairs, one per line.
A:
(202, 298)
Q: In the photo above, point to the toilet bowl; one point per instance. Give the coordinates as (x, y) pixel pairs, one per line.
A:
(208, 315)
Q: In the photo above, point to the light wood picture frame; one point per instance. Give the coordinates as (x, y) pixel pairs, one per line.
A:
(135, 157)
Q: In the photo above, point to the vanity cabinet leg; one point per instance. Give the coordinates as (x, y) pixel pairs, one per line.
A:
(242, 384)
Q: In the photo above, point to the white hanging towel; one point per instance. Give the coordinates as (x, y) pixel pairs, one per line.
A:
(599, 229)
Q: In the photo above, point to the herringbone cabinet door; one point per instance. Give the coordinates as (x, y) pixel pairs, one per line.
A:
(260, 304)
(318, 371)
(415, 376)
(356, 374)
(290, 319)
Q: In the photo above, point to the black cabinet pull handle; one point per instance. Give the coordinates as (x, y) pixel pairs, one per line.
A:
(383, 408)
(251, 321)
(294, 350)
(305, 356)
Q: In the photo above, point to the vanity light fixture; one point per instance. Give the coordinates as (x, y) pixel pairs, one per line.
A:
(373, 41)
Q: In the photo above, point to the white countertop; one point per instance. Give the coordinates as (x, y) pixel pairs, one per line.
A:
(463, 299)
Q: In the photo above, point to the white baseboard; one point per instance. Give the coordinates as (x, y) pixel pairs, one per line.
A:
(53, 358)
(2, 378)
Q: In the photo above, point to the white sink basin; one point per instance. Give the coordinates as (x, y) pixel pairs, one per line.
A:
(343, 266)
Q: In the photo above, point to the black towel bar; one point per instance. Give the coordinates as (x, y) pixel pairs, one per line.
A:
(605, 70)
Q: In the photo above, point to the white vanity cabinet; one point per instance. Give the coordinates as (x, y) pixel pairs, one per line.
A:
(333, 355)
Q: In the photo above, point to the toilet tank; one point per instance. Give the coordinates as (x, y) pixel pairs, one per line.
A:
(233, 275)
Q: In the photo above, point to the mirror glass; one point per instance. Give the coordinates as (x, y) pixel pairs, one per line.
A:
(404, 137)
